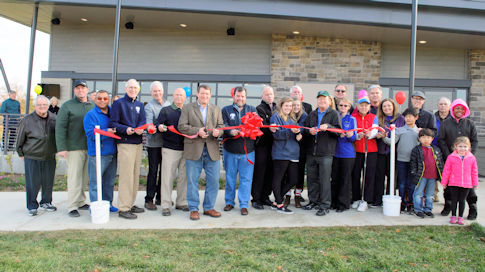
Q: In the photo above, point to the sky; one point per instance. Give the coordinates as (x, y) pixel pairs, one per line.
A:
(14, 53)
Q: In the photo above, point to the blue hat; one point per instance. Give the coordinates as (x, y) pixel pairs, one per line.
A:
(364, 99)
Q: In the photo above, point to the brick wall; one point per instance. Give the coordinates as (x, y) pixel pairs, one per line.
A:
(477, 90)
(326, 60)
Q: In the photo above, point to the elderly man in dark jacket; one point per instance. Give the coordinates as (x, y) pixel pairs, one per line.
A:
(36, 145)
(426, 119)
(263, 165)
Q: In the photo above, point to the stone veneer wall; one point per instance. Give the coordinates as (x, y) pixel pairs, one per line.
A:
(325, 60)
(476, 98)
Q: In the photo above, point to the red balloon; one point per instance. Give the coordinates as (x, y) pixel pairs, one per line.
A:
(232, 92)
(400, 97)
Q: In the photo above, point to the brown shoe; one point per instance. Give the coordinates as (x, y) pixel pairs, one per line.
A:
(194, 215)
(244, 211)
(287, 201)
(212, 213)
(297, 202)
(150, 206)
(228, 207)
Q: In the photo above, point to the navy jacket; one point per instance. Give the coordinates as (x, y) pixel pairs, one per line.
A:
(345, 146)
(169, 116)
(93, 118)
(285, 145)
(125, 113)
(232, 117)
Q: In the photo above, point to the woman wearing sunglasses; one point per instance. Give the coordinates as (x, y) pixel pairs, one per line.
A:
(343, 160)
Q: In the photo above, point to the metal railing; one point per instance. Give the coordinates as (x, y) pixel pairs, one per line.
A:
(9, 128)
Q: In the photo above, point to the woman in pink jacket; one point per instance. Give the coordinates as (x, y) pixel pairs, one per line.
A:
(461, 175)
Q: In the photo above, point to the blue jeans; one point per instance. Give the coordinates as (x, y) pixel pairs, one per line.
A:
(425, 187)
(108, 175)
(212, 172)
(234, 164)
(406, 185)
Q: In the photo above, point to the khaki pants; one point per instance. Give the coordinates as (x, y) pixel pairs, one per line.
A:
(77, 178)
(129, 160)
(171, 162)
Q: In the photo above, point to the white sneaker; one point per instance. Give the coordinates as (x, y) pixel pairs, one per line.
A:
(355, 204)
(362, 206)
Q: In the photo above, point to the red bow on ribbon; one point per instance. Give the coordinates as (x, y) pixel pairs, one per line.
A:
(252, 122)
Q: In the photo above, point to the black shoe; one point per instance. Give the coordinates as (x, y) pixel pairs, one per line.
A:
(339, 210)
(257, 206)
(74, 213)
(158, 202)
(136, 209)
(446, 211)
(284, 210)
(127, 215)
(420, 214)
(267, 202)
(472, 214)
(300, 198)
(310, 206)
(322, 212)
(410, 209)
(84, 207)
(429, 214)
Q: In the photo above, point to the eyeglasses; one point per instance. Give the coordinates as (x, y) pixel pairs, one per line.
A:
(340, 91)
(344, 105)
(102, 98)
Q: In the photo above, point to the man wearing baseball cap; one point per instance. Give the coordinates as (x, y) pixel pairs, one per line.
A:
(320, 153)
(72, 145)
(426, 119)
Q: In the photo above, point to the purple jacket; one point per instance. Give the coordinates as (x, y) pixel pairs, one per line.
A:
(383, 148)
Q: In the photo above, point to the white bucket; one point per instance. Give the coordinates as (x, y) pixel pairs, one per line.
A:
(99, 212)
(391, 205)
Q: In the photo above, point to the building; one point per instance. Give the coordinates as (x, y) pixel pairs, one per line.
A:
(225, 43)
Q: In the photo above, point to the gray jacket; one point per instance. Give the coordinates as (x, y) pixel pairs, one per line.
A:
(152, 110)
(406, 140)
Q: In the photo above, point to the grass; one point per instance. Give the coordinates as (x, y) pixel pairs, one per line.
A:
(424, 248)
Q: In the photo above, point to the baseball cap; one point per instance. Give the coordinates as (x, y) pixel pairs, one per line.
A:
(80, 82)
(419, 93)
(364, 99)
(324, 93)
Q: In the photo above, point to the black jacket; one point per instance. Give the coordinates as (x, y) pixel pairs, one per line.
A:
(416, 164)
(265, 112)
(169, 116)
(307, 107)
(324, 143)
(426, 120)
(450, 129)
(36, 138)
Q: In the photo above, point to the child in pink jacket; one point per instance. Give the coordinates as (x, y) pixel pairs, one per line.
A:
(461, 175)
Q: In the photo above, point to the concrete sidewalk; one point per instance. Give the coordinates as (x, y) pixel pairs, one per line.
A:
(14, 217)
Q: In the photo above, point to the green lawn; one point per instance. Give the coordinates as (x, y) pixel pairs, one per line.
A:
(425, 248)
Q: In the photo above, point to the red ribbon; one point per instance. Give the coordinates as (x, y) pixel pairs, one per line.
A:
(252, 123)
(105, 133)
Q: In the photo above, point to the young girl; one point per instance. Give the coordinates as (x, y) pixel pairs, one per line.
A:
(460, 174)
(298, 115)
(285, 153)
